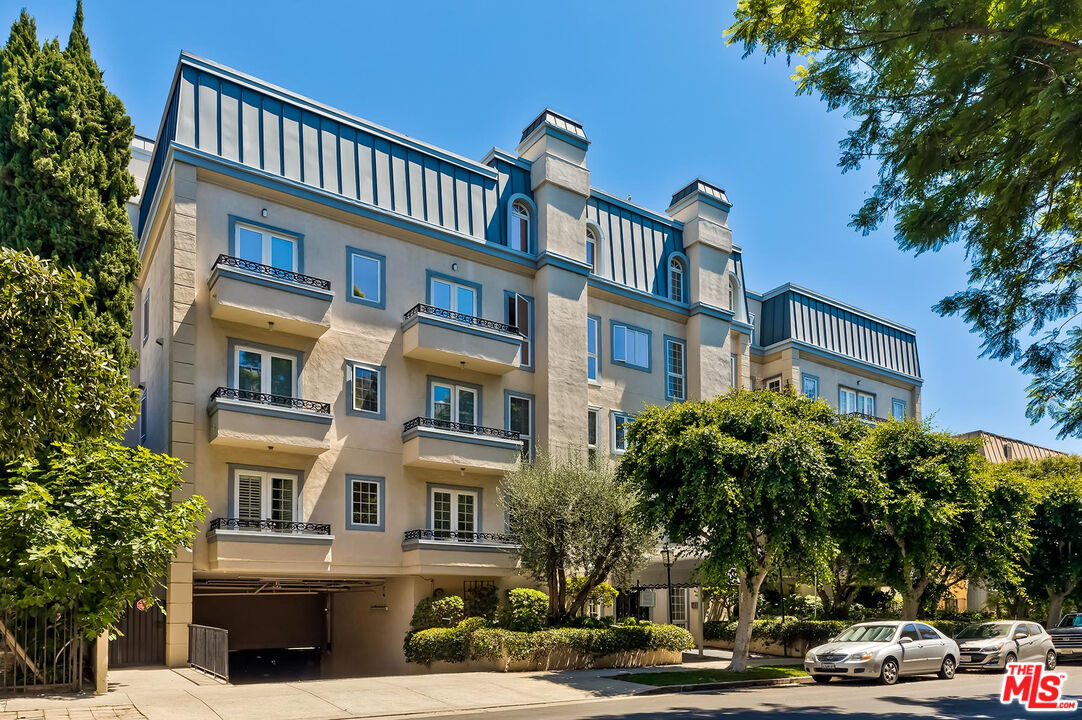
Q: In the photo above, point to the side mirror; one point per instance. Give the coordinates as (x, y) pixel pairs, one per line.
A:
(905, 640)
(830, 639)
(1021, 635)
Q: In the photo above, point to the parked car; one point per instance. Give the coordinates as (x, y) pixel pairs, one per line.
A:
(883, 650)
(1067, 636)
(997, 644)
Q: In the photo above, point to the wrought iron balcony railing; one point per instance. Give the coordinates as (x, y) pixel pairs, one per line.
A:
(423, 309)
(283, 401)
(872, 419)
(460, 536)
(271, 271)
(278, 526)
(464, 428)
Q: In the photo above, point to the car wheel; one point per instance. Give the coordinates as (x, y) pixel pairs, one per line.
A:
(1009, 660)
(946, 672)
(821, 679)
(888, 675)
(1050, 660)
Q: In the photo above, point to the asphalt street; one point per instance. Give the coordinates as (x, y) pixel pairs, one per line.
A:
(969, 695)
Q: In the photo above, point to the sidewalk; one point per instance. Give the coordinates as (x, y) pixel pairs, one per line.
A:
(164, 694)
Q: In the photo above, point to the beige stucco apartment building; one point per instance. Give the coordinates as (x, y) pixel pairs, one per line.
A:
(349, 335)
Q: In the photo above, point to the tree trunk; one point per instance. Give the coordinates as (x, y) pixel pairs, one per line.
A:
(749, 598)
(911, 594)
(1055, 607)
(554, 592)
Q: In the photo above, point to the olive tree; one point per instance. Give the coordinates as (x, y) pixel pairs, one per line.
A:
(576, 525)
(748, 480)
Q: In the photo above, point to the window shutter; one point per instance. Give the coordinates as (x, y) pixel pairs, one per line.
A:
(249, 497)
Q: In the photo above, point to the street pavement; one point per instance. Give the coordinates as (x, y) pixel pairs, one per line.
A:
(969, 695)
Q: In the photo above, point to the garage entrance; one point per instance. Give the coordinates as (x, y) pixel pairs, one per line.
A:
(278, 630)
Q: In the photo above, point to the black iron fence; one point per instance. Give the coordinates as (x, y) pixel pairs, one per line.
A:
(280, 526)
(423, 309)
(460, 536)
(208, 650)
(40, 651)
(269, 399)
(460, 428)
(271, 271)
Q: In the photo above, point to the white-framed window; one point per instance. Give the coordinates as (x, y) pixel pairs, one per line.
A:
(367, 396)
(146, 315)
(591, 250)
(144, 418)
(620, 421)
(809, 385)
(631, 346)
(520, 226)
(676, 280)
(456, 297)
(678, 607)
(852, 401)
(265, 371)
(266, 495)
(732, 295)
(365, 502)
(453, 403)
(897, 409)
(593, 348)
(266, 247)
(453, 513)
(734, 375)
(520, 316)
(675, 369)
(774, 384)
(520, 419)
(367, 275)
(592, 427)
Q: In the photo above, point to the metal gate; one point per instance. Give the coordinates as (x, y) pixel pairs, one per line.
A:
(40, 651)
(208, 649)
(140, 638)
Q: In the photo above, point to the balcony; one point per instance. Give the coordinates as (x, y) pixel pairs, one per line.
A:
(269, 546)
(443, 445)
(245, 419)
(262, 296)
(465, 553)
(449, 338)
(866, 419)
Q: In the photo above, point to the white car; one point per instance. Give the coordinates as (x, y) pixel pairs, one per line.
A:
(997, 644)
(884, 650)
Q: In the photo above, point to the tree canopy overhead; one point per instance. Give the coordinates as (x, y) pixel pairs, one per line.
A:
(973, 111)
(65, 145)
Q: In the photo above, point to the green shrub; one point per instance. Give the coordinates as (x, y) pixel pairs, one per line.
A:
(426, 646)
(526, 609)
(789, 632)
(950, 628)
(482, 601)
(803, 606)
(443, 612)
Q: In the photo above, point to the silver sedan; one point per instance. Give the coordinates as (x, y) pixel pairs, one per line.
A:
(884, 650)
(999, 643)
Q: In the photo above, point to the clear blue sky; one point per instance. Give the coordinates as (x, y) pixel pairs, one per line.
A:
(660, 95)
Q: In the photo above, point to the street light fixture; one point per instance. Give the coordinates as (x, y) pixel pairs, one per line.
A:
(668, 557)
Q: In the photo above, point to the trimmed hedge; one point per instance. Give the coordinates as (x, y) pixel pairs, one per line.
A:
(470, 639)
(814, 632)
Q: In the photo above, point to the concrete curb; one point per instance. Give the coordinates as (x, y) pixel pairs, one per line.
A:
(734, 685)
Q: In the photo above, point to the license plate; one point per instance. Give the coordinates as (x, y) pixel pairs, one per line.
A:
(967, 658)
(828, 666)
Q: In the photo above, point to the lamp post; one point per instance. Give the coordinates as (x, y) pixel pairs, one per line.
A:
(667, 558)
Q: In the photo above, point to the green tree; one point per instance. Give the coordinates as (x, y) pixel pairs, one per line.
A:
(1053, 566)
(748, 480)
(93, 524)
(971, 110)
(933, 517)
(573, 518)
(65, 145)
(57, 385)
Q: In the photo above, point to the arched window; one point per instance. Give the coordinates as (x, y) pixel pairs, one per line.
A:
(676, 280)
(591, 249)
(520, 226)
(732, 296)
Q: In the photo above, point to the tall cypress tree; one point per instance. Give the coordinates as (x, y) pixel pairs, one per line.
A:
(65, 145)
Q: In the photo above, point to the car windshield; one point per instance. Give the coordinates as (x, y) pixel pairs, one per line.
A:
(866, 633)
(1071, 621)
(985, 631)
